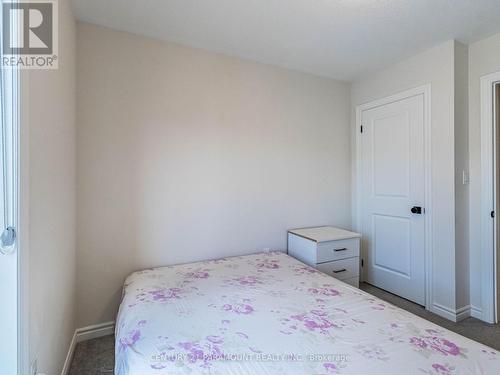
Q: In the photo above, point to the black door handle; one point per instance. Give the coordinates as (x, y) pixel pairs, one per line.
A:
(416, 210)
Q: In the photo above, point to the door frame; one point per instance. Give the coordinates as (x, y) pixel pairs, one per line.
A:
(489, 199)
(424, 90)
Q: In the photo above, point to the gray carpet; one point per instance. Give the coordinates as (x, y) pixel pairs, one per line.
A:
(96, 357)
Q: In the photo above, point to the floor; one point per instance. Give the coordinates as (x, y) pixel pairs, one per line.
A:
(96, 357)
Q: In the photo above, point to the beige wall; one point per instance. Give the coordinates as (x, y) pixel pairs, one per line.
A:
(186, 155)
(435, 66)
(52, 192)
(484, 58)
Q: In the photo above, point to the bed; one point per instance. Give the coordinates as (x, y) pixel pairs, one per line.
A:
(270, 314)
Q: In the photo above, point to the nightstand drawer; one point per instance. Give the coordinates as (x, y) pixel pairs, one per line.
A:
(331, 250)
(335, 250)
(341, 269)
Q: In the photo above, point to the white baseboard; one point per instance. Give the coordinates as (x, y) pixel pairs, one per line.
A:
(444, 312)
(69, 356)
(451, 314)
(476, 312)
(84, 334)
(463, 313)
(458, 314)
(95, 331)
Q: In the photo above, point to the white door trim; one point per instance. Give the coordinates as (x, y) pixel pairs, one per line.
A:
(23, 225)
(488, 201)
(424, 90)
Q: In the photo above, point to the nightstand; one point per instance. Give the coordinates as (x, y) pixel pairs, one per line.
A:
(331, 250)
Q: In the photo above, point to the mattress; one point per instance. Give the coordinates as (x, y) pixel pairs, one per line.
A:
(270, 314)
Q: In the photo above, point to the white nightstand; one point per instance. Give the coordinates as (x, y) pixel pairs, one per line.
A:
(331, 250)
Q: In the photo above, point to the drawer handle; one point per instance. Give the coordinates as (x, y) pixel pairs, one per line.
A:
(339, 271)
(343, 249)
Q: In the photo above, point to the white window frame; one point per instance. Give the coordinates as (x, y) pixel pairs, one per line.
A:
(19, 194)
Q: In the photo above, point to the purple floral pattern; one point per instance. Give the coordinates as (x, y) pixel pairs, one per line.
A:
(271, 264)
(324, 291)
(436, 344)
(238, 308)
(130, 338)
(208, 317)
(246, 281)
(197, 274)
(203, 352)
(440, 369)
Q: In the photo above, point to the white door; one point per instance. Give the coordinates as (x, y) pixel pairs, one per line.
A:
(8, 219)
(393, 207)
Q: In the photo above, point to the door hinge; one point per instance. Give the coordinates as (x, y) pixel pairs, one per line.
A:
(361, 128)
(492, 214)
(362, 262)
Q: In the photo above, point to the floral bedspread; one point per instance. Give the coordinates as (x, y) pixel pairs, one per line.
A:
(269, 314)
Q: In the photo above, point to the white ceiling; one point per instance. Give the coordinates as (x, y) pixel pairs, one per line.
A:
(342, 39)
